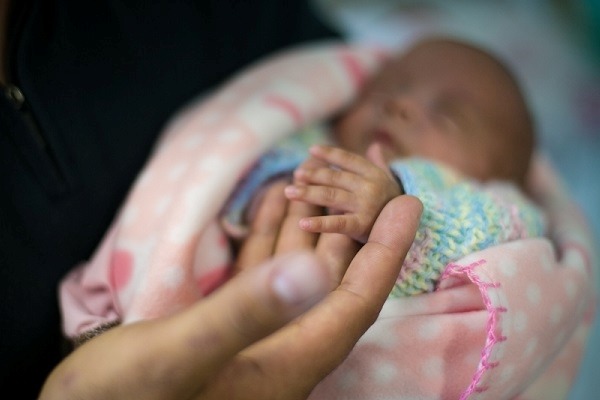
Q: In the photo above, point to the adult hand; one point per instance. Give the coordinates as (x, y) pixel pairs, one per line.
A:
(299, 356)
(179, 357)
(213, 350)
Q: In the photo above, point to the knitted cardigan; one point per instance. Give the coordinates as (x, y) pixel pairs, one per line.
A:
(460, 215)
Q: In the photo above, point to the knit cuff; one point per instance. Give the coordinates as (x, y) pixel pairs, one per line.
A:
(460, 216)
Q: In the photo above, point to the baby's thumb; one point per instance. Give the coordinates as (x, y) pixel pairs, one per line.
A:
(375, 155)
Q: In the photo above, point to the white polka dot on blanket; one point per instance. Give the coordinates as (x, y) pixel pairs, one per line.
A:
(209, 164)
(534, 293)
(230, 136)
(162, 204)
(176, 171)
(433, 367)
(575, 259)
(384, 373)
(508, 266)
(520, 321)
(173, 277)
(191, 195)
(429, 330)
(473, 324)
(192, 142)
(178, 234)
(130, 215)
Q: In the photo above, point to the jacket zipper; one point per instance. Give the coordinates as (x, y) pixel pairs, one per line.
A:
(34, 145)
(17, 98)
(47, 167)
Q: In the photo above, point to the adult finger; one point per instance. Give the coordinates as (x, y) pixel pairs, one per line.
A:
(336, 251)
(382, 256)
(265, 224)
(291, 237)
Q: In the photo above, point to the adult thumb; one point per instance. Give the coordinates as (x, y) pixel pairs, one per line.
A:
(255, 303)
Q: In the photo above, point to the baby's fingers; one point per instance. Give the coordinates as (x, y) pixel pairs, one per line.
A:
(326, 176)
(313, 163)
(324, 196)
(347, 224)
(343, 159)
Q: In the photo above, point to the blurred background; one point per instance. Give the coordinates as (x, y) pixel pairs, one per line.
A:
(554, 49)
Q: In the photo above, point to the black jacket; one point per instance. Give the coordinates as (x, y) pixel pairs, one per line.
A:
(100, 79)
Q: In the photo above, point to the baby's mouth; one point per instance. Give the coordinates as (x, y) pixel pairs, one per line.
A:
(385, 138)
(382, 136)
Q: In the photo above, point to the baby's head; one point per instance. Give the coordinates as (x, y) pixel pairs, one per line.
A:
(448, 101)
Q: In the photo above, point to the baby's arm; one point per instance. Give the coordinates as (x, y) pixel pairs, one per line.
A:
(354, 188)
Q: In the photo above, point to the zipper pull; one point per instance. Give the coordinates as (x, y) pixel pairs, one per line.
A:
(15, 95)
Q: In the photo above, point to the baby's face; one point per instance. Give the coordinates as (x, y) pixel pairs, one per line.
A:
(441, 101)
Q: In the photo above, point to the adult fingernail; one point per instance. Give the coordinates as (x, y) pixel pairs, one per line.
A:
(300, 280)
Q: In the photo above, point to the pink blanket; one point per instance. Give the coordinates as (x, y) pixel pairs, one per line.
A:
(510, 321)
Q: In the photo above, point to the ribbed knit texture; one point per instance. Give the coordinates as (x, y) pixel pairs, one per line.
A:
(460, 216)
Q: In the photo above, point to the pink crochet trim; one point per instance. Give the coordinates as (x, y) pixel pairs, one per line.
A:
(492, 337)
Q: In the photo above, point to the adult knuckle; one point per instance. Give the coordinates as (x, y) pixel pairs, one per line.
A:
(244, 321)
(365, 306)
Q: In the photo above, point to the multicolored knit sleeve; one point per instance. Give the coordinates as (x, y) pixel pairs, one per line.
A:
(280, 160)
(460, 216)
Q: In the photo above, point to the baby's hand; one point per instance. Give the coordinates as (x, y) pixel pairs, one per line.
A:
(354, 188)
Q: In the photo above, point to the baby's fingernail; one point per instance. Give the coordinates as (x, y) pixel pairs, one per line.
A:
(300, 280)
(299, 173)
(291, 190)
(304, 223)
(316, 149)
